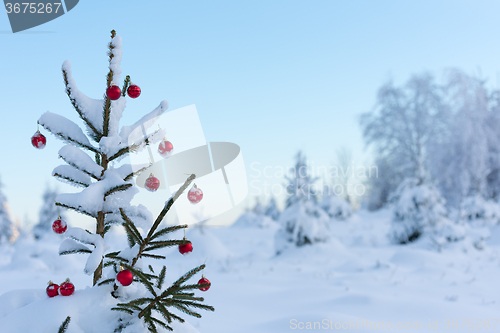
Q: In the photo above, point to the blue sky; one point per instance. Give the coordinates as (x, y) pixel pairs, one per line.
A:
(271, 76)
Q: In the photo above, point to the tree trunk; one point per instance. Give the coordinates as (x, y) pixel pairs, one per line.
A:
(100, 222)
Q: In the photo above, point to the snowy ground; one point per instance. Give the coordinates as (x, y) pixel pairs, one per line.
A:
(355, 278)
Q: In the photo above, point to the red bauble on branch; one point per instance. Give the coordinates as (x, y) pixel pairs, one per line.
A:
(38, 140)
(187, 248)
(133, 91)
(113, 92)
(165, 148)
(125, 277)
(152, 183)
(66, 288)
(195, 195)
(204, 280)
(53, 289)
(59, 226)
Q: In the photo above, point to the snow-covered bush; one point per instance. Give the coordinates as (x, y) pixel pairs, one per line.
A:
(478, 211)
(337, 208)
(419, 208)
(303, 221)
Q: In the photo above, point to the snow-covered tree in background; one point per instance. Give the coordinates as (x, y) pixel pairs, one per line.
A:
(383, 183)
(469, 150)
(7, 227)
(302, 221)
(48, 213)
(480, 212)
(107, 190)
(418, 209)
(272, 210)
(405, 127)
(336, 207)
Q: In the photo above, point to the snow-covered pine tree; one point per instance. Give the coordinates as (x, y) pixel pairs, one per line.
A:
(420, 209)
(106, 195)
(7, 227)
(272, 210)
(303, 221)
(48, 213)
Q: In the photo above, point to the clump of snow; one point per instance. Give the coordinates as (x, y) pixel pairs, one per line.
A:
(64, 127)
(90, 199)
(70, 172)
(82, 236)
(90, 108)
(76, 157)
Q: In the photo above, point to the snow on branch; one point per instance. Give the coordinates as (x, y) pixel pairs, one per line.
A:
(90, 201)
(69, 174)
(65, 129)
(73, 245)
(140, 144)
(89, 109)
(127, 171)
(81, 161)
(134, 132)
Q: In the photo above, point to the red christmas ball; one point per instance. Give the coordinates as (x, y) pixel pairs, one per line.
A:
(52, 289)
(38, 140)
(165, 148)
(125, 277)
(113, 92)
(66, 288)
(152, 183)
(134, 91)
(186, 249)
(204, 280)
(59, 226)
(195, 195)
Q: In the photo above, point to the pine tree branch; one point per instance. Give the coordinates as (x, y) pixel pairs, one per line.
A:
(160, 217)
(162, 244)
(188, 275)
(68, 138)
(122, 187)
(126, 83)
(175, 287)
(78, 168)
(132, 174)
(64, 325)
(130, 228)
(167, 230)
(107, 281)
(75, 209)
(79, 251)
(161, 277)
(109, 79)
(154, 256)
(96, 135)
(71, 180)
(133, 147)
